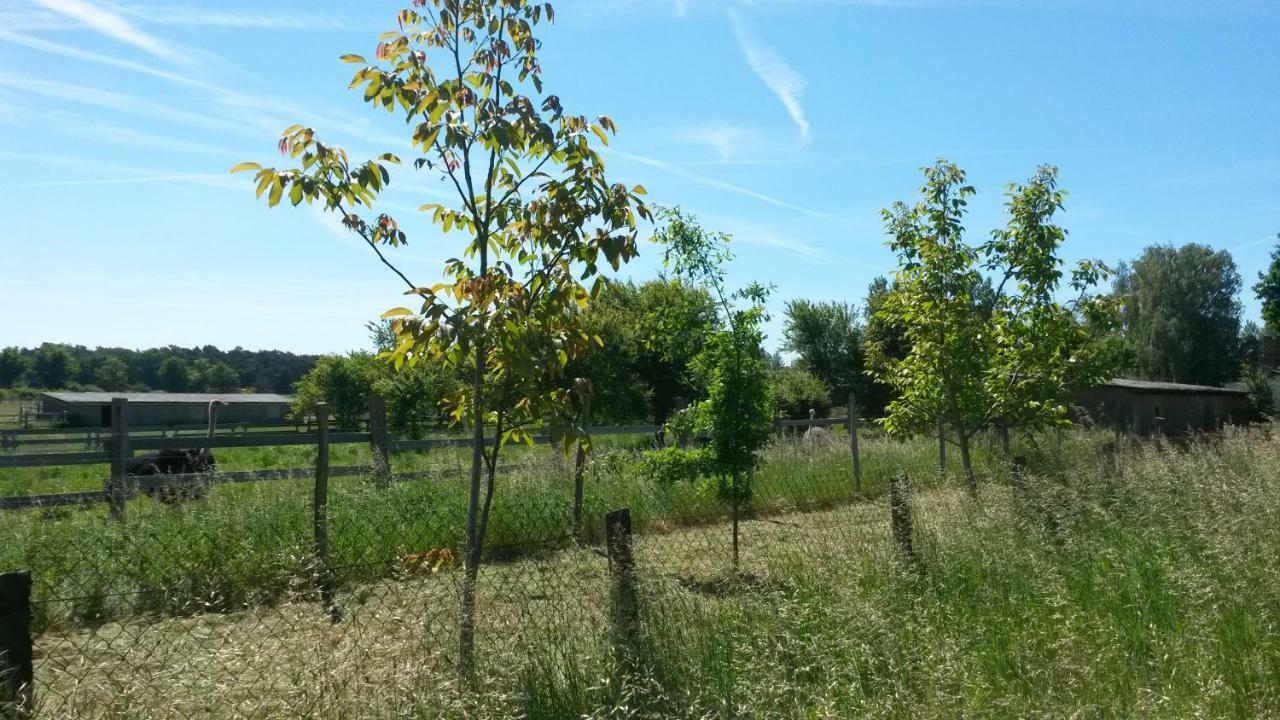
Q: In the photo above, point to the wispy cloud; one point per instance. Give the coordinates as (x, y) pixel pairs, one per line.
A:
(1254, 243)
(787, 84)
(713, 182)
(197, 16)
(727, 141)
(114, 26)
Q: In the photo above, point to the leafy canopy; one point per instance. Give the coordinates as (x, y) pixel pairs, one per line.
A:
(537, 214)
(981, 347)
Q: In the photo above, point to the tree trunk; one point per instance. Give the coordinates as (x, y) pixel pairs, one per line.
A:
(967, 462)
(471, 554)
(736, 504)
(942, 447)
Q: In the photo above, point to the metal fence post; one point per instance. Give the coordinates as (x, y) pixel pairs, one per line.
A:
(17, 668)
(853, 443)
(380, 438)
(118, 485)
(320, 515)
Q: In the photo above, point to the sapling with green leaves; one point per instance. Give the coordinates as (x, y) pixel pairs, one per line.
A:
(738, 406)
(987, 338)
(538, 218)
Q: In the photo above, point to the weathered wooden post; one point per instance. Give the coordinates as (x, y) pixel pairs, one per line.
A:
(580, 464)
(379, 439)
(17, 669)
(1004, 438)
(625, 610)
(1018, 472)
(118, 484)
(777, 424)
(320, 515)
(853, 443)
(900, 516)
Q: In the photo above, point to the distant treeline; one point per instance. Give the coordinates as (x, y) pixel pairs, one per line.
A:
(173, 369)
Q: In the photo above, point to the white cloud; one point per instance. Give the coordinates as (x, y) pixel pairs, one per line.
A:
(114, 26)
(196, 16)
(727, 141)
(787, 84)
(713, 182)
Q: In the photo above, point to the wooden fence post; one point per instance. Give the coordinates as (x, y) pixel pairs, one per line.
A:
(320, 515)
(853, 443)
(118, 485)
(579, 466)
(1018, 472)
(380, 438)
(625, 608)
(777, 424)
(17, 669)
(900, 516)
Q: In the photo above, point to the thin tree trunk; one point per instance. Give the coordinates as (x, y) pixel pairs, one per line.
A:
(967, 462)
(736, 504)
(471, 554)
(942, 446)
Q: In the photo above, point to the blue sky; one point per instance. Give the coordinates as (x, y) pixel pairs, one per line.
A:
(787, 123)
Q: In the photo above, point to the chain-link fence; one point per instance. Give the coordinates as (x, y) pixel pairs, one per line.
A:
(227, 606)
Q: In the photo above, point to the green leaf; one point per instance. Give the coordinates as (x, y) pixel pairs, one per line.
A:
(355, 59)
(245, 166)
(396, 312)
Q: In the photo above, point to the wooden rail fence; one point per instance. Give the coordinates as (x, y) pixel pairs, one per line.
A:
(119, 443)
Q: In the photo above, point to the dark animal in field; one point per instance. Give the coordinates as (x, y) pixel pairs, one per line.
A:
(185, 462)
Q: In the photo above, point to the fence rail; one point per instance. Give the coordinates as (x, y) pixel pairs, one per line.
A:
(121, 441)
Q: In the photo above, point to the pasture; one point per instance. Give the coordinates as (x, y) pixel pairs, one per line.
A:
(1139, 589)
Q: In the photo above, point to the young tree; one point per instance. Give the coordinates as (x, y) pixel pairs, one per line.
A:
(796, 391)
(1181, 313)
(1268, 290)
(533, 203)
(733, 363)
(220, 378)
(979, 352)
(344, 382)
(53, 366)
(13, 367)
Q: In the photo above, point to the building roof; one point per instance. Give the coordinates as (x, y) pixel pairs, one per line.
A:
(164, 398)
(1150, 386)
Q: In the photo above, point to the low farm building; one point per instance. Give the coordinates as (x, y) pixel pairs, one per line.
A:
(159, 409)
(1145, 407)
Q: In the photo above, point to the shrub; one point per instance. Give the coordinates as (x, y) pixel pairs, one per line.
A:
(796, 391)
(672, 465)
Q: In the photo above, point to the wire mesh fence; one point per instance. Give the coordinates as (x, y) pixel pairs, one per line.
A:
(217, 607)
(222, 606)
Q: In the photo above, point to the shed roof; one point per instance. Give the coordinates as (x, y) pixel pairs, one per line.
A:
(164, 398)
(1151, 386)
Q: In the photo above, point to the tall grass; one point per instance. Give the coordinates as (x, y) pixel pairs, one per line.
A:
(1140, 588)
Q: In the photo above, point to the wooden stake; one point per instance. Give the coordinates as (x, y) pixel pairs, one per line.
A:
(320, 516)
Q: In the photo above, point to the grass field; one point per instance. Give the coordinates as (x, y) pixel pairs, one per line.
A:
(1148, 592)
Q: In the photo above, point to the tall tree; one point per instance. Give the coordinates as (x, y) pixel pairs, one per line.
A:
(53, 366)
(1268, 290)
(532, 201)
(827, 336)
(1181, 313)
(112, 374)
(651, 333)
(977, 351)
(13, 367)
(174, 375)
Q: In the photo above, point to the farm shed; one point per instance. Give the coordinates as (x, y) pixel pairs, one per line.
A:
(1145, 407)
(157, 409)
